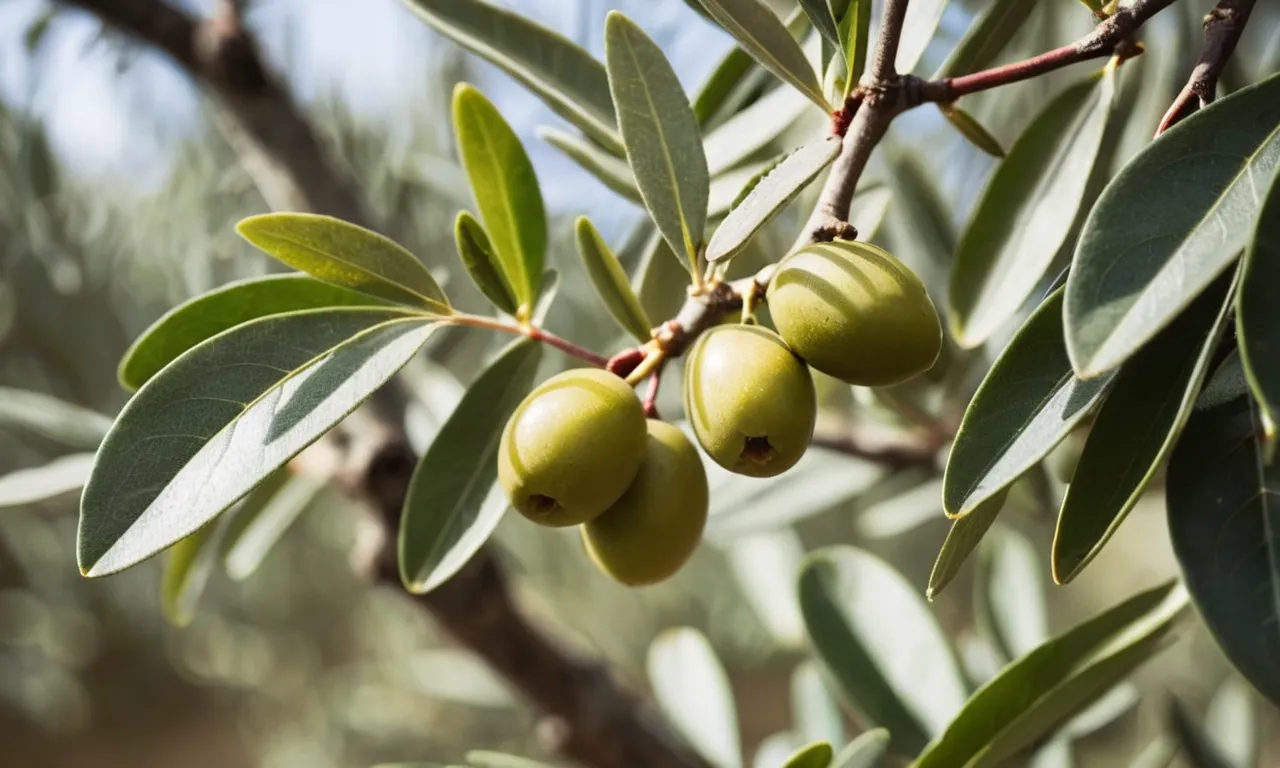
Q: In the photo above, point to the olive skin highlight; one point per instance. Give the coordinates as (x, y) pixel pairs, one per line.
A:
(853, 311)
(649, 533)
(749, 399)
(572, 447)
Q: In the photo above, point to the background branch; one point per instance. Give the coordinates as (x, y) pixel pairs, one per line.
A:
(1222, 29)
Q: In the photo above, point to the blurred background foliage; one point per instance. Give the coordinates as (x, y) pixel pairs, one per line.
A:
(304, 665)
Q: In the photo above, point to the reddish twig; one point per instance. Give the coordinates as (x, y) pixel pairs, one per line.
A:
(651, 395)
(566, 346)
(1222, 29)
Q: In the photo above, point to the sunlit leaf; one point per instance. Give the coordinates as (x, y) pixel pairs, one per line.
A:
(864, 751)
(1224, 521)
(764, 563)
(481, 263)
(1027, 210)
(815, 711)
(506, 191)
(716, 91)
(345, 255)
(450, 510)
(878, 640)
(1197, 746)
(30, 486)
(188, 566)
(610, 170)
(52, 417)
(610, 281)
(773, 191)
(988, 35)
(1199, 190)
(815, 755)
(1135, 430)
(962, 539)
(921, 220)
(563, 75)
(660, 279)
(753, 129)
(763, 35)
(1038, 693)
(258, 523)
(1010, 593)
(917, 30)
(209, 314)
(855, 32)
(902, 512)
(1232, 722)
(972, 130)
(775, 749)
(224, 416)
(693, 690)
(1028, 403)
(820, 16)
(1257, 321)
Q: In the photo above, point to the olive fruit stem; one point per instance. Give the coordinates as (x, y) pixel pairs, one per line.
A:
(651, 395)
(652, 363)
(532, 332)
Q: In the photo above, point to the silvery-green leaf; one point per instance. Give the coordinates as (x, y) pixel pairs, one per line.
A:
(693, 690)
(763, 35)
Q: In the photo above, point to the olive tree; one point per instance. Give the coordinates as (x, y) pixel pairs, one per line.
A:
(1121, 294)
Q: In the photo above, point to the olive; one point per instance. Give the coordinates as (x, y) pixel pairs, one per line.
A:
(853, 311)
(649, 533)
(749, 399)
(572, 447)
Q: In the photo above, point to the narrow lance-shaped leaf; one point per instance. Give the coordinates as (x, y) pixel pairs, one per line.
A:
(188, 566)
(259, 522)
(692, 689)
(1037, 694)
(881, 644)
(972, 130)
(30, 486)
(917, 30)
(1136, 429)
(725, 79)
(209, 314)
(1027, 210)
(1027, 404)
(865, 751)
(506, 191)
(1195, 741)
(1233, 723)
(820, 15)
(52, 417)
(450, 509)
(663, 141)
(773, 191)
(855, 35)
(224, 416)
(963, 538)
(481, 263)
(1174, 219)
(610, 281)
(1257, 321)
(1224, 521)
(753, 129)
(815, 755)
(815, 712)
(1009, 593)
(345, 255)
(987, 37)
(611, 171)
(561, 73)
(763, 35)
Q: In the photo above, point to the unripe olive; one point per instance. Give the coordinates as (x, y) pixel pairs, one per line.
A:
(652, 530)
(855, 312)
(749, 399)
(572, 447)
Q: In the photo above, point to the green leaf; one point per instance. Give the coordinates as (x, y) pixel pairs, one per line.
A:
(763, 35)
(559, 72)
(917, 30)
(610, 281)
(1232, 722)
(773, 191)
(485, 759)
(693, 691)
(1036, 694)
(1157, 754)
(1196, 744)
(52, 418)
(815, 712)
(972, 130)
(663, 141)
(660, 279)
(224, 416)
(1027, 404)
(962, 539)
(1257, 321)
(1223, 521)
(1010, 594)
(1094, 5)
(815, 755)
(880, 643)
(864, 751)
(752, 130)
(820, 16)
(987, 37)
(264, 516)
(506, 191)
(775, 749)
(717, 90)
(611, 171)
(763, 564)
(921, 220)
(855, 33)
(476, 253)
(209, 314)
(1027, 210)
(1198, 188)
(31, 486)
(345, 255)
(451, 509)
(187, 567)
(1135, 430)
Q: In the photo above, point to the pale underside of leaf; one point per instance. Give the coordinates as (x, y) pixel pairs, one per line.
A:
(766, 38)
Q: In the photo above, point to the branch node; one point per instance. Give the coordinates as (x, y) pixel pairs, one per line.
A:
(834, 229)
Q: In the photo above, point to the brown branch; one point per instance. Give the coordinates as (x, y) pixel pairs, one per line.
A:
(896, 456)
(1114, 31)
(588, 717)
(1222, 29)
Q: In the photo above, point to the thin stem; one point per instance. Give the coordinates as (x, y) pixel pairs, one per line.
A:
(651, 364)
(651, 394)
(532, 332)
(1222, 29)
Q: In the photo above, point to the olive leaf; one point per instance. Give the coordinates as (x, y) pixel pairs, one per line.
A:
(1257, 321)
(188, 566)
(53, 418)
(815, 755)
(610, 281)
(865, 751)
(855, 33)
(481, 263)
(506, 192)
(962, 540)
(663, 141)
(752, 130)
(611, 171)
(345, 255)
(209, 314)
(36, 484)
(693, 691)
(917, 30)
(988, 35)
(763, 35)
(259, 522)
(972, 130)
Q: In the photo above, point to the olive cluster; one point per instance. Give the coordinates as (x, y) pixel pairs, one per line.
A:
(580, 451)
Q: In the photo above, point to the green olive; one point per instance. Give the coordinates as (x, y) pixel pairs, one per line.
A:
(572, 447)
(855, 312)
(749, 399)
(649, 533)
